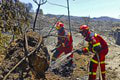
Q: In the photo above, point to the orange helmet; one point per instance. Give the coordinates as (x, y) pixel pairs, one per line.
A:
(84, 28)
(59, 25)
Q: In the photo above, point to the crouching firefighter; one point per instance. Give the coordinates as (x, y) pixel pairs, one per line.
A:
(64, 43)
(96, 45)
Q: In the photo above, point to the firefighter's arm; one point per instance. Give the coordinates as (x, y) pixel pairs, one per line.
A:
(96, 45)
(82, 51)
(85, 50)
(60, 43)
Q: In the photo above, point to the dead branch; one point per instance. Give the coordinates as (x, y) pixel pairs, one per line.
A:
(26, 44)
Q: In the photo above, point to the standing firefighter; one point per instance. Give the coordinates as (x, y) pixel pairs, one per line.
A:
(64, 43)
(97, 45)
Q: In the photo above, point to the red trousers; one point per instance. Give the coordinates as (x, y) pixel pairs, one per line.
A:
(60, 50)
(94, 64)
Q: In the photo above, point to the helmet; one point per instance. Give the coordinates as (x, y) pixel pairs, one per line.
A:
(84, 28)
(59, 25)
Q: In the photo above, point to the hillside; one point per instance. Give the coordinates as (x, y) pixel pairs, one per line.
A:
(77, 18)
(97, 24)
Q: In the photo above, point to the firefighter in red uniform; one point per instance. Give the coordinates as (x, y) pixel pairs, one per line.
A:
(97, 45)
(64, 43)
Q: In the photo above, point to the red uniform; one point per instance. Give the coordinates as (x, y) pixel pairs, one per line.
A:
(97, 45)
(64, 42)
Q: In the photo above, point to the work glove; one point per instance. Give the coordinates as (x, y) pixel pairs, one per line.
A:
(78, 51)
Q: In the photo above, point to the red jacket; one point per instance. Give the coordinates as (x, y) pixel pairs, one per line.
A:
(95, 43)
(65, 41)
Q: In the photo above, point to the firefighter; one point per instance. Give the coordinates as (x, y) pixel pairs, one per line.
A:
(96, 45)
(64, 43)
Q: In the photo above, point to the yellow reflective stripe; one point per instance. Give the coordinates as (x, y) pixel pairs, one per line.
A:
(95, 35)
(94, 61)
(93, 50)
(58, 27)
(97, 44)
(69, 33)
(92, 73)
(102, 62)
(69, 36)
(87, 48)
(103, 72)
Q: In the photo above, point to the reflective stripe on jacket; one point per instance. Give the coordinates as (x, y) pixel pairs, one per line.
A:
(95, 41)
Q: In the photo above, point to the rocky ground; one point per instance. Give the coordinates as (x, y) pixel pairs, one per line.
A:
(82, 61)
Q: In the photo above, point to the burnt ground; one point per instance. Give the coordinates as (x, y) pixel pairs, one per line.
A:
(81, 70)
